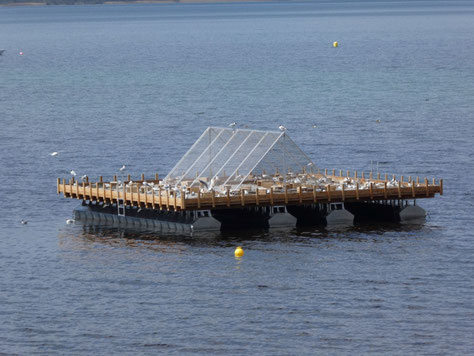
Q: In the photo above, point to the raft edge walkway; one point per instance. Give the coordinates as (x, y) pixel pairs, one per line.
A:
(166, 199)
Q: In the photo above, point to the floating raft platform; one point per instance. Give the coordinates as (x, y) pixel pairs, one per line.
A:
(244, 176)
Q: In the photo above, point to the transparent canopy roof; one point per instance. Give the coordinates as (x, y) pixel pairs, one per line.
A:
(226, 156)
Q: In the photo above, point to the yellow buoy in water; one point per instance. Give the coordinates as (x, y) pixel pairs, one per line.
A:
(238, 252)
(335, 44)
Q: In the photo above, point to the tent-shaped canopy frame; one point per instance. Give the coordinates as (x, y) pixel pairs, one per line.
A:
(227, 157)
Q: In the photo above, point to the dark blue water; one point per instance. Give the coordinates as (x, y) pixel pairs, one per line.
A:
(136, 85)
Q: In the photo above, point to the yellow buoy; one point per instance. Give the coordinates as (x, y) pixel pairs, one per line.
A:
(238, 252)
(335, 44)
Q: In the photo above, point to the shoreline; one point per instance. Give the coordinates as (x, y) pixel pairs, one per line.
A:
(131, 2)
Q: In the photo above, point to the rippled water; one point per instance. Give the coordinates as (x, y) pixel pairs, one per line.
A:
(136, 85)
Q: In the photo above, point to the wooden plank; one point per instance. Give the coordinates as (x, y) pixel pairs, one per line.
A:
(242, 200)
(228, 196)
(213, 195)
(315, 198)
(399, 189)
(300, 196)
(328, 191)
(357, 190)
(413, 189)
(256, 197)
(271, 195)
(371, 190)
(440, 187)
(427, 187)
(160, 199)
(199, 198)
(286, 193)
(385, 189)
(342, 192)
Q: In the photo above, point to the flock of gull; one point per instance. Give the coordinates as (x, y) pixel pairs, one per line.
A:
(249, 186)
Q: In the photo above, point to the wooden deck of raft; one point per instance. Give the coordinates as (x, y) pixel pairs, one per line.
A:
(162, 199)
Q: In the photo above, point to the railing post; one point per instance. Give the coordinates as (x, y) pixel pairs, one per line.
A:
(153, 198)
(183, 199)
(160, 200)
(440, 187)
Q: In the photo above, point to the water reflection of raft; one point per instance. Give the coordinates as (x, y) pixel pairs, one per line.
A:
(234, 177)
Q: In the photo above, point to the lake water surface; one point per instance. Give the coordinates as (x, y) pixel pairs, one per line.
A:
(137, 84)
